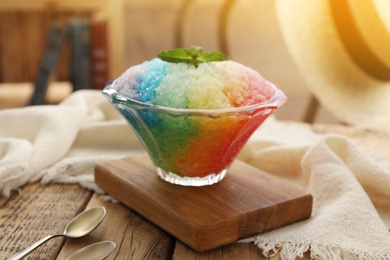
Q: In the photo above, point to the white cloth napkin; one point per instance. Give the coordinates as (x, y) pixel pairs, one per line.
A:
(62, 143)
(351, 191)
(350, 183)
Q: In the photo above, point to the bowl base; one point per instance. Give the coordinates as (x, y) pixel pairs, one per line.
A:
(191, 181)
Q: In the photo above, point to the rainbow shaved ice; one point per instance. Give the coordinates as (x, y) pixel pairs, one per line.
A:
(193, 120)
(210, 86)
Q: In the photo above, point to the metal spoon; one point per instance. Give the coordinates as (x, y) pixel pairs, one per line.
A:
(95, 251)
(79, 226)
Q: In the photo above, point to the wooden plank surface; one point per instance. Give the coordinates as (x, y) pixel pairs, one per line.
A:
(133, 235)
(22, 223)
(247, 202)
(41, 210)
(36, 212)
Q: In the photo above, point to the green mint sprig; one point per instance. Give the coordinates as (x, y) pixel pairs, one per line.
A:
(193, 56)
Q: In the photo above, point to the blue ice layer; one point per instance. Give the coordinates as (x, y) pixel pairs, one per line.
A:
(148, 82)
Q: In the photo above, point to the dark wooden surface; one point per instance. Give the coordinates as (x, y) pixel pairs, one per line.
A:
(38, 210)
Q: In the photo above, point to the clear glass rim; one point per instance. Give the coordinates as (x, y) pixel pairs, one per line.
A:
(277, 100)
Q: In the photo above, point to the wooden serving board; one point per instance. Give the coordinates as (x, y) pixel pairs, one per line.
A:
(247, 202)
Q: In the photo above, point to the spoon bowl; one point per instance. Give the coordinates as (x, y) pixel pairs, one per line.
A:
(79, 226)
(85, 222)
(95, 251)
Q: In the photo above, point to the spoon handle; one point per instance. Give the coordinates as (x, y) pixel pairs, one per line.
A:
(32, 247)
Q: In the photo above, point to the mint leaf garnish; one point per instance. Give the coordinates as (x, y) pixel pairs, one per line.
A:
(193, 56)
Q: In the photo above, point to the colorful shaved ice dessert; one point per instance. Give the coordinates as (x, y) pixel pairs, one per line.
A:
(193, 111)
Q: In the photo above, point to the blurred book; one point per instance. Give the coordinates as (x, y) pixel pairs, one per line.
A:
(99, 54)
(80, 49)
(88, 62)
(48, 63)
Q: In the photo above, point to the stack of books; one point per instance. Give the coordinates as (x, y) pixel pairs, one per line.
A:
(88, 64)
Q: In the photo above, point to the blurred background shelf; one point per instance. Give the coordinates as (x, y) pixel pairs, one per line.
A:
(14, 95)
(139, 29)
(25, 25)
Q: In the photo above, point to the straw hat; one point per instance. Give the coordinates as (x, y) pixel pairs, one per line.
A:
(342, 48)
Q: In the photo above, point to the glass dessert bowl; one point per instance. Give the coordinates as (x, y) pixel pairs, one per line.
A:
(192, 147)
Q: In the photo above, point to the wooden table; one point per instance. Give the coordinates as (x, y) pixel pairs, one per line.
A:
(38, 210)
